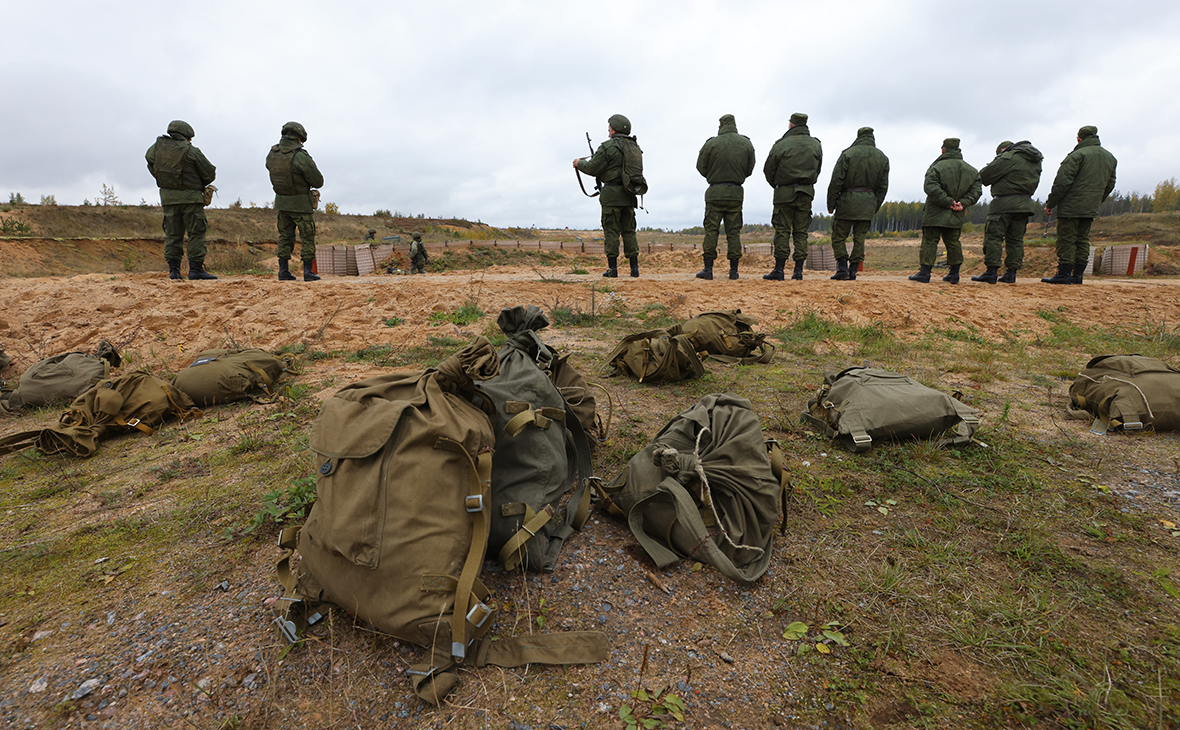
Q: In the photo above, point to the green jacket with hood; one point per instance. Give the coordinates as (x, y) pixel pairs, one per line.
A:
(606, 165)
(949, 179)
(793, 165)
(1085, 179)
(1013, 177)
(725, 161)
(183, 171)
(860, 179)
(293, 174)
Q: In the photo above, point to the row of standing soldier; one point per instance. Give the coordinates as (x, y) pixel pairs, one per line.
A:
(856, 192)
(185, 179)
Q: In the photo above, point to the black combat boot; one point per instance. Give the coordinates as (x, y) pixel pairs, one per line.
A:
(196, 271)
(989, 276)
(923, 274)
(285, 271)
(798, 274)
(1064, 275)
(634, 266)
(852, 267)
(733, 267)
(612, 267)
(1009, 277)
(777, 273)
(174, 270)
(841, 270)
(707, 272)
(307, 275)
(952, 276)
(1079, 270)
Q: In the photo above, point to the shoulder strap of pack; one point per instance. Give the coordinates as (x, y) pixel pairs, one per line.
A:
(19, 441)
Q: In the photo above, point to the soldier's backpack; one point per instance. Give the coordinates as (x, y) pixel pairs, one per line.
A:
(633, 180)
(1127, 392)
(136, 401)
(656, 356)
(705, 489)
(541, 450)
(399, 529)
(61, 377)
(221, 376)
(580, 398)
(861, 405)
(728, 336)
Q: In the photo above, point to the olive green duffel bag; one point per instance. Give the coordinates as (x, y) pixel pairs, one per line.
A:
(656, 356)
(1128, 393)
(61, 377)
(728, 336)
(221, 376)
(399, 530)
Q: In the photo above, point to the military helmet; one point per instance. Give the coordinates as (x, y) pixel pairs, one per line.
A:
(373, 231)
(181, 127)
(620, 123)
(295, 129)
(417, 236)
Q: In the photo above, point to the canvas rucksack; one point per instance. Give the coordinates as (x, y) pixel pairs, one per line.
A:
(136, 401)
(633, 180)
(657, 357)
(580, 398)
(220, 376)
(400, 526)
(861, 405)
(61, 377)
(728, 336)
(541, 450)
(1127, 392)
(705, 489)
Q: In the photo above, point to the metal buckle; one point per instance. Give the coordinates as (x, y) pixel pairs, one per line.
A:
(484, 611)
(287, 629)
(476, 500)
(1133, 426)
(422, 674)
(862, 439)
(133, 423)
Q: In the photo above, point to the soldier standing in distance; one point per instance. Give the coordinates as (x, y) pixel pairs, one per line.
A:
(1013, 177)
(860, 180)
(725, 161)
(418, 256)
(293, 174)
(792, 169)
(952, 186)
(618, 205)
(182, 173)
(1084, 180)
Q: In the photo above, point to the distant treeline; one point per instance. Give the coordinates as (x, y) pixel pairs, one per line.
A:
(895, 217)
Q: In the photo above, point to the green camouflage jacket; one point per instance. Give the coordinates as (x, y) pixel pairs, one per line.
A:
(793, 165)
(293, 174)
(725, 161)
(1013, 177)
(860, 180)
(947, 180)
(1084, 180)
(196, 171)
(607, 167)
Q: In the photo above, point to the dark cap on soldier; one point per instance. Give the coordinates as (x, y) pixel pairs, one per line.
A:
(620, 123)
(950, 143)
(726, 119)
(798, 119)
(1003, 146)
(1088, 131)
(863, 131)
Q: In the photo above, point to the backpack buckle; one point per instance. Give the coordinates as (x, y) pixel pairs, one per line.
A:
(479, 613)
(862, 438)
(1133, 426)
(134, 423)
(287, 629)
(474, 503)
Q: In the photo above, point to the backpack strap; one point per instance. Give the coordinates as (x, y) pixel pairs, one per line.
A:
(775, 453)
(19, 441)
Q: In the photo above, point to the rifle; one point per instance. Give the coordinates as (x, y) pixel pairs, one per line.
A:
(578, 173)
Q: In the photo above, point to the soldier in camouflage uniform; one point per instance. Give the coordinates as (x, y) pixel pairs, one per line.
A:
(618, 205)
(791, 169)
(418, 255)
(725, 161)
(293, 174)
(1084, 180)
(860, 180)
(182, 173)
(1013, 177)
(952, 186)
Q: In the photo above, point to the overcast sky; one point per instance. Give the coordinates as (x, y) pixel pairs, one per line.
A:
(475, 109)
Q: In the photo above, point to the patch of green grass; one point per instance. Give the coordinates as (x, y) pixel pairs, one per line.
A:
(483, 257)
(466, 314)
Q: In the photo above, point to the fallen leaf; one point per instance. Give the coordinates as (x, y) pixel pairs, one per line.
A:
(796, 630)
(658, 583)
(883, 510)
(823, 649)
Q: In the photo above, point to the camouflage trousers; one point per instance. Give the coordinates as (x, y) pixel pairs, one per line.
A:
(840, 229)
(730, 213)
(619, 222)
(790, 223)
(928, 253)
(178, 220)
(1073, 241)
(287, 225)
(1003, 234)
